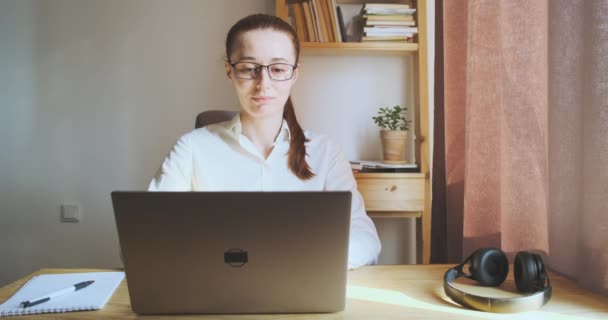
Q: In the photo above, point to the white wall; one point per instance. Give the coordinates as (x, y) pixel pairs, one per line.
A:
(339, 95)
(93, 93)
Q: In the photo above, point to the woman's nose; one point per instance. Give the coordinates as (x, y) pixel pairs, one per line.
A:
(263, 77)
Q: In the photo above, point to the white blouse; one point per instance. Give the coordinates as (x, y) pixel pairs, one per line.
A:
(219, 157)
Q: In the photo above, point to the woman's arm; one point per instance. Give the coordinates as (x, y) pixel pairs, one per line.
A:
(364, 244)
(175, 174)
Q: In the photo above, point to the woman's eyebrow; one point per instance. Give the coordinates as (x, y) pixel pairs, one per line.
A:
(279, 59)
(246, 58)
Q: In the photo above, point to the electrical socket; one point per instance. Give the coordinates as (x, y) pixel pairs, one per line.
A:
(70, 212)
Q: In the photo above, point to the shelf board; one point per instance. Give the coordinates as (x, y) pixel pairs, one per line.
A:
(394, 214)
(358, 48)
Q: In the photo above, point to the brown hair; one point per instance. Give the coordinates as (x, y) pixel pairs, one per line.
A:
(297, 149)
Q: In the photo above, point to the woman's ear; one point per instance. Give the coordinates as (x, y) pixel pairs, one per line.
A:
(228, 69)
(296, 73)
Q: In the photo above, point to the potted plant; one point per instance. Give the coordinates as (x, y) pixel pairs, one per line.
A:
(393, 132)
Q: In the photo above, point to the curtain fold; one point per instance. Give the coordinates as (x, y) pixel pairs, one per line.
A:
(438, 227)
(525, 127)
(455, 62)
(593, 269)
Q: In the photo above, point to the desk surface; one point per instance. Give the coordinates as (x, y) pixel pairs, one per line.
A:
(379, 292)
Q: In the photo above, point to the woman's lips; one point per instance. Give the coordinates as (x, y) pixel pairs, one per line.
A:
(261, 99)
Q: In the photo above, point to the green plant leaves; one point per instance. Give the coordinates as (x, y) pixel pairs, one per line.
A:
(392, 118)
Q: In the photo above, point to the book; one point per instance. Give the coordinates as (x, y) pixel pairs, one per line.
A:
(316, 19)
(356, 166)
(386, 6)
(341, 24)
(391, 29)
(394, 17)
(93, 297)
(395, 38)
(391, 23)
(310, 25)
(389, 11)
(329, 28)
(381, 164)
(389, 170)
(291, 18)
(331, 4)
(321, 21)
(387, 34)
(382, 167)
(301, 27)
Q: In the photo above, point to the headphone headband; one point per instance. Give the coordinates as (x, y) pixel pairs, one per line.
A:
(489, 304)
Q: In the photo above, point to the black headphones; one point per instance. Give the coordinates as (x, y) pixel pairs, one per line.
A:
(489, 267)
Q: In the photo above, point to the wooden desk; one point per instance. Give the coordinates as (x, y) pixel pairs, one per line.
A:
(399, 195)
(378, 292)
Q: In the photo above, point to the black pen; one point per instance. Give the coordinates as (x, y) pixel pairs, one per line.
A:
(55, 294)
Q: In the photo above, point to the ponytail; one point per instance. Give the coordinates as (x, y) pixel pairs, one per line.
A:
(296, 156)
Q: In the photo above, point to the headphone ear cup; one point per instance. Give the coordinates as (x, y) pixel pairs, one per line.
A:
(489, 267)
(529, 272)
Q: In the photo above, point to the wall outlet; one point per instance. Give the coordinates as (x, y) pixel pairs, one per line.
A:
(70, 212)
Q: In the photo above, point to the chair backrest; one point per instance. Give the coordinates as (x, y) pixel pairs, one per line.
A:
(213, 116)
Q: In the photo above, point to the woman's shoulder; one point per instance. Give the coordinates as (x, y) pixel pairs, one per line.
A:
(316, 137)
(198, 136)
(319, 140)
(322, 146)
(210, 131)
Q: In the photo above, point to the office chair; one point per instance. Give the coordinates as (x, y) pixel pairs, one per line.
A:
(213, 116)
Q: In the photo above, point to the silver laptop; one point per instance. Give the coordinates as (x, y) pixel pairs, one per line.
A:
(234, 252)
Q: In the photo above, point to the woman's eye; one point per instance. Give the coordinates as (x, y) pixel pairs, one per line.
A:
(278, 70)
(248, 67)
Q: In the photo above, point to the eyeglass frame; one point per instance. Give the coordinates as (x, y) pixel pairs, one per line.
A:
(261, 66)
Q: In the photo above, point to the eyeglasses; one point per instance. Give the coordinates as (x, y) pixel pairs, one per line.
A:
(251, 70)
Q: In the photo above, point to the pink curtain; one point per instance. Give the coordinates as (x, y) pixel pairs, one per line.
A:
(526, 132)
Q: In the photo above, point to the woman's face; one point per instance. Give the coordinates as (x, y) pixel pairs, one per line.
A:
(262, 96)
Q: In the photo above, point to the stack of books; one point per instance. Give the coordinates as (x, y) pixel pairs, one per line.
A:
(389, 22)
(381, 167)
(315, 20)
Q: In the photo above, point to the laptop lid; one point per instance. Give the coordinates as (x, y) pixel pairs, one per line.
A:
(234, 252)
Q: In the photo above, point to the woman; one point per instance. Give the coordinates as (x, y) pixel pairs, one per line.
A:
(264, 148)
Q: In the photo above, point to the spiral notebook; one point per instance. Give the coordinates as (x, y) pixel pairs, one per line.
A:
(92, 297)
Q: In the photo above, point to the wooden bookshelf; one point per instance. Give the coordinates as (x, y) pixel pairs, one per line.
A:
(358, 48)
(400, 201)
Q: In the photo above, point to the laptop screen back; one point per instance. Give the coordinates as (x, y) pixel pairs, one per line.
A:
(234, 252)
